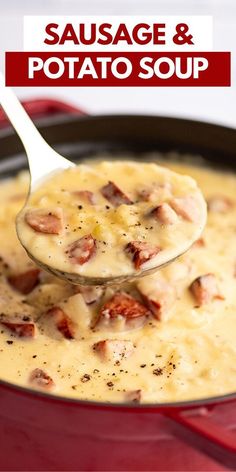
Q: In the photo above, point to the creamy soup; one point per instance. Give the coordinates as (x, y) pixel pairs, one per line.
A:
(169, 337)
(112, 218)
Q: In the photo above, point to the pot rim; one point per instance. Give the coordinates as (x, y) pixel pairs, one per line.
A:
(185, 404)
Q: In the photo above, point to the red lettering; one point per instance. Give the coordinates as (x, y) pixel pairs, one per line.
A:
(49, 30)
(103, 31)
(92, 38)
(69, 34)
(157, 33)
(145, 37)
(122, 34)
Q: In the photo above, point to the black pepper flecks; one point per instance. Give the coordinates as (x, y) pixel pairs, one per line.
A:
(158, 371)
(110, 384)
(85, 378)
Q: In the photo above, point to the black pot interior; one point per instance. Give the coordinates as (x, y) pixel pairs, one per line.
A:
(82, 137)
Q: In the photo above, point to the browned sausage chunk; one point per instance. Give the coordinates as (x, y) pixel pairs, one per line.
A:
(41, 379)
(63, 323)
(114, 349)
(141, 252)
(25, 281)
(165, 214)
(115, 195)
(186, 207)
(160, 299)
(81, 250)
(21, 326)
(122, 304)
(157, 307)
(42, 221)
(205, 289)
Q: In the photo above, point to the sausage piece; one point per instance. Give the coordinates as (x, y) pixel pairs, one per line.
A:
(114, 349)
(205, 289)
(42, 221)
(154, 193)
(115, 195)
(165, 214)
(141, 252)
(41, 379)
(159, 296)
(186, 207)
(25, 281)
(133, 396)
(81, 250)
(85, 195)
(157, 306)
(199, 243)
(63, 323)
(19, 326)
(219, 204)
(148, 194)
(122, 304)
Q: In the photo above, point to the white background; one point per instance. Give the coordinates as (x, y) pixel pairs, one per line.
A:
(200, 27)
(213, 104)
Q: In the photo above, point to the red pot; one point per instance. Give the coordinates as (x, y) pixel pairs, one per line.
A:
(45, 432)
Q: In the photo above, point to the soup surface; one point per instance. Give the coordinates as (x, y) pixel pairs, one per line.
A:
(169, 337)
(112, 218)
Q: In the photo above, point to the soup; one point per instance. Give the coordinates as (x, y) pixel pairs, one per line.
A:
(168, 337)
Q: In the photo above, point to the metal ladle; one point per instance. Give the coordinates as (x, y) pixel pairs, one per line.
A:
(43, 161)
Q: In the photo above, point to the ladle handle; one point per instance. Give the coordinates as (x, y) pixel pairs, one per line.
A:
(19, 119)
(41, 157)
